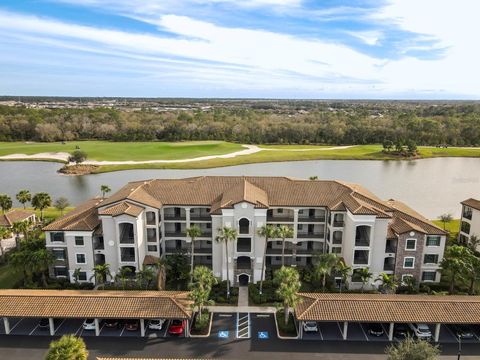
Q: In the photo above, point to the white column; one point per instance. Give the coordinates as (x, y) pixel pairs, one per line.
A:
(97, 327)
(390, 332)
(6, 324)
(300, 330)
(187, 328)
(437, 332)
(51, 324)
(142, 327)
(345, 330)
(187, 217)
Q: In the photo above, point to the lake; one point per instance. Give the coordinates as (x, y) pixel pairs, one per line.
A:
(430, 186)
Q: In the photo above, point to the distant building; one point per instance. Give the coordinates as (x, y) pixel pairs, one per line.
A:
(146, 220)
(470, 221)
(10, 217)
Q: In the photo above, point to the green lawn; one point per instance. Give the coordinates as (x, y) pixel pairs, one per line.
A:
(50, 212)
(453, 227)
(8, 277)
(117, 151)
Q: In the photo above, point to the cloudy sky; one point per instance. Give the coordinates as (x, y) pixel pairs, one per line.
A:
(408, 49)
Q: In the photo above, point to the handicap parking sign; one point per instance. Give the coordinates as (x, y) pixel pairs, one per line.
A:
(223, 334)
(263, 335)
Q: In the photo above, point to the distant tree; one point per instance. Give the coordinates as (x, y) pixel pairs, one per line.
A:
(344, 271)
(288, 282)
(76, 275)
(41, 260)
(20, 227)
(5, 202)
(446, 219)
(78, 156)
(411, 349)
(61, 204)
(399, 146)
(387, 145)
(473, 272)
(177, 270)
(41, 201)
(411, 147)
(473, 242)
(23, 197)
(312, 178)
(105, 189)
(146, 276)
(68, 347)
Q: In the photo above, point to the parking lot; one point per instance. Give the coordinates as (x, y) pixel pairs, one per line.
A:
(253, 326)
(30, 326)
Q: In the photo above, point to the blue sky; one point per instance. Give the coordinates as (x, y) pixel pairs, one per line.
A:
(408, 49)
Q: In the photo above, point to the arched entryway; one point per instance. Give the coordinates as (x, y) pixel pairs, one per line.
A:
(243, 279)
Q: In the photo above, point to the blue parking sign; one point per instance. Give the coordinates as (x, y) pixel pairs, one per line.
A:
(223, 334)
(263, 335)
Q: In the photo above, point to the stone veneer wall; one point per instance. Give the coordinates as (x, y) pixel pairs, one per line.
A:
(417, 254)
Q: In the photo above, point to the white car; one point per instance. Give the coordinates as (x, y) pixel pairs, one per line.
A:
(156, 324)
(310, 326)
(89, 324)
(421, 331)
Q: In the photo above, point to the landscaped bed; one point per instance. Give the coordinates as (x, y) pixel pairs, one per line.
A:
(201, 324)
(289, 330)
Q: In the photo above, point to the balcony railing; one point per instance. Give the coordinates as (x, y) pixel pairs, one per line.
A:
(200, 217)
(311, 235)
(174, 217)
(285, 218)
(338, 223)
(203, 250)
(320, 219)
(278, 251)
(467, 215)
(174, 249)
(175, 233)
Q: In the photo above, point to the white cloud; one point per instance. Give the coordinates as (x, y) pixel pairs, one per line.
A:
(368, 37)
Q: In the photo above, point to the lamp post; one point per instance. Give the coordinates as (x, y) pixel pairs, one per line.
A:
(459, 347)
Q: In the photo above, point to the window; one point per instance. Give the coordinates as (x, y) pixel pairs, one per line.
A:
(467, 212)
(152, 248)
(244, 245)
(429, 275)
(60, 271)
(300, 227)
(127, 254)
(336, 250)
(411, 244)
(362, 235)
(150, 218)
(404, 276)
(82, 276)
(337, 237)
(408, 262)
(430, 259)
(280, 211)
(80, 259)
(300, 212)
(57, 237)
(433, 240)
(79, 241)
(465, 227)
(151, 235)
(360, 257)
(59, 254)
(244, 225)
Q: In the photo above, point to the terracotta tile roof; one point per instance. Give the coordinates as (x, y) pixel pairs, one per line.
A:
(14, 216)
(473, 203)
(115, 358)
(243, 191)
(82, 218)
(122, 208)
(150, 260)
(95, 304)
(389, 308)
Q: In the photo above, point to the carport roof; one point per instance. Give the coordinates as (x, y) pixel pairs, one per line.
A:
(388, 308)
(95, 304)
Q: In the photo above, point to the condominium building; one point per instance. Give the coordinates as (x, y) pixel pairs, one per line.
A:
(147, 220)
(470, 221)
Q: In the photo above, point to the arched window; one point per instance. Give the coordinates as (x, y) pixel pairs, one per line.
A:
(126, 233)
(362, 235)
(244, 226)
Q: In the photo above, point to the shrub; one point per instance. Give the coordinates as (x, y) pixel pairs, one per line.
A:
(78, 156)
(268, 295)
(290, 329)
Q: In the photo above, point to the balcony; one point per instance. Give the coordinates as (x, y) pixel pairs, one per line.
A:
(203, 250)
(467, 213)
(311, 235)
(280, 215)
(275, 251)
(319, 219)
(338, 223)
(173, 217)
(175, 234)
(98, 244)
(389, 249)
(172, 214)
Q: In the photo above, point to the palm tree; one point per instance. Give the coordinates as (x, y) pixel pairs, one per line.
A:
(200, 287)
(344, 271)
(101, 273)
(365, 275)
(268, 232)
(445, 219)
(289, 284)
(122, 275)
(105, 189)
(20, 227)
(146, 276)
(161, 265)
(455, 264)
(193, 232)
(76, 275)
(41, 201)
(225, 235)
(23, 197)
(284, 232)
(67, 347)
(41, 261)
(323, 266)
(389, 282)
(5, 202)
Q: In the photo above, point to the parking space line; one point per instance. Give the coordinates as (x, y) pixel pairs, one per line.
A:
(364, 333)
(123, 329)
(35, 328)
(340, 328)
(14, 326)
(451, 332)
(320, 331)
(59, 326)
(385, 330)
(166, 329)
(79, 329)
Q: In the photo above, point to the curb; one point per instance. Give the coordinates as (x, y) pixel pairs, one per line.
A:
(284, 337)
(209, 329)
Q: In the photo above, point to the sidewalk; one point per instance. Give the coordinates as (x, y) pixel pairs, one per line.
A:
(242, 309)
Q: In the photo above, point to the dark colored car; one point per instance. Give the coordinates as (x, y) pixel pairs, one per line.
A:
(375, 329)
(401, 331)
(44, 324)
(463, 331)
(176, 327)
(132, 325)
(112, 323)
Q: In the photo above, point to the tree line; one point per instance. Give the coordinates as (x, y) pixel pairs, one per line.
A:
(338, 123)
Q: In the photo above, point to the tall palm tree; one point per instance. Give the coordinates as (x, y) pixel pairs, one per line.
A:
(41, 260)
(268, 232)
(225, 235)
(122, 275)
(365, 276)
(344, 271)
(389, 282)
(41, 201)
(67, 347)
(200, 288)
(288, 281)
(23, 197)
(284, 232)
(101, 273)
(323, 266)
(105, 189)
(193, 232)
(5, 202)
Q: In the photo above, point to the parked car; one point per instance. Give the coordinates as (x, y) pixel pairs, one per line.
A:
(111, 323)
(43, 324)
(89, 324)
(375, 329)
(463, 331)
(421, 331)
(177, 327)
(401, 331)
(132, 325)
(156, 324)
(310, 326)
